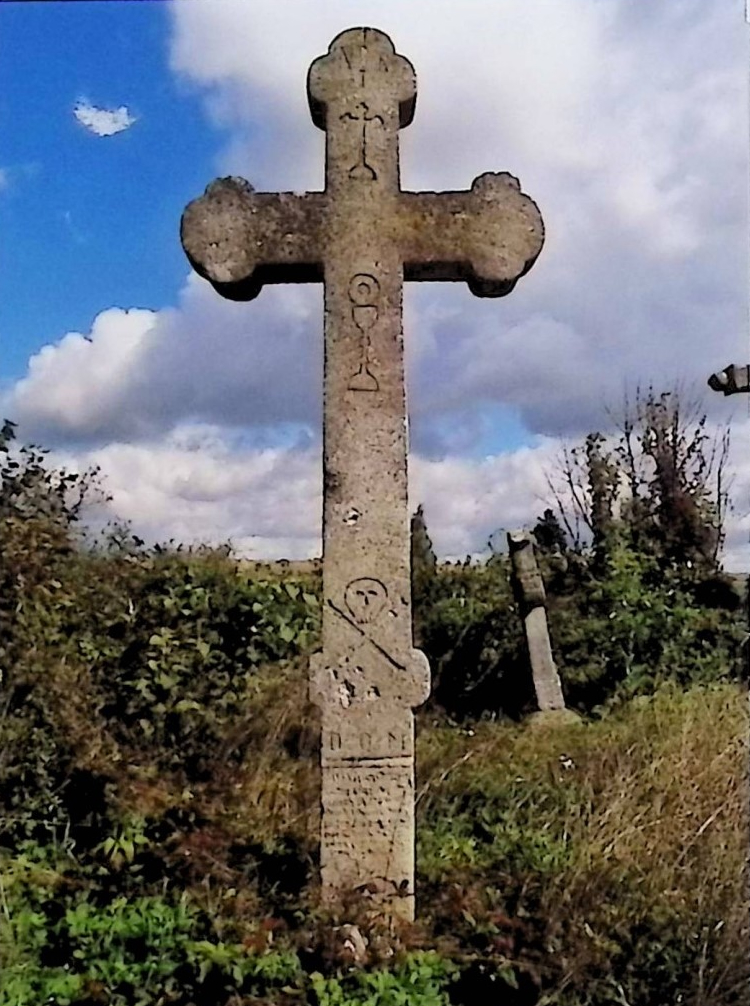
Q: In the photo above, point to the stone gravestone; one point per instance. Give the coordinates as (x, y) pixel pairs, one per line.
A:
(362, 237)
(530, 596)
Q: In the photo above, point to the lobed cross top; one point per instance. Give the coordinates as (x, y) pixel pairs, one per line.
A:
(361, 93)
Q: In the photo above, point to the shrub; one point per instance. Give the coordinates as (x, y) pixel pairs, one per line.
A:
(420, 979)
(189, 639)
(474, 640)
(635, 626)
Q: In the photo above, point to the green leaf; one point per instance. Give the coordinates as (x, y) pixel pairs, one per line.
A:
(185, 705)
(287, 633)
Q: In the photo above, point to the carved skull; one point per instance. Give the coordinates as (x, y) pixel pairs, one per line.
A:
(365, 598)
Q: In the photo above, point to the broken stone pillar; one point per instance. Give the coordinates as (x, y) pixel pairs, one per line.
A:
(362, 237)
(528, 588)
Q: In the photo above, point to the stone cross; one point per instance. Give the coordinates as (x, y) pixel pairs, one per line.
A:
(530, 596)
(362, 237)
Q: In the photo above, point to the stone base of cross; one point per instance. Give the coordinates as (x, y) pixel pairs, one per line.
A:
(362, 237)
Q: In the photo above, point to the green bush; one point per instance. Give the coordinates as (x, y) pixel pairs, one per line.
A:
(637, 625)
(421, 979)
(186, 638)
(44, 692)
(159, 783)
(62, 945)
(474, 640)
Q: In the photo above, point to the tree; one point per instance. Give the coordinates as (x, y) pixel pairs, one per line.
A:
(550, 534)
(423, 569)
(46, 713)
(659, 478)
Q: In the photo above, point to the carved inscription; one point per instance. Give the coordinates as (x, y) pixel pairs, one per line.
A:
(354, 57)
(364, 294)
(369, 735)
(369, 819)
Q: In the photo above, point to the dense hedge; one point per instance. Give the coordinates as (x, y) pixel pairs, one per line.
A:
(614, 635)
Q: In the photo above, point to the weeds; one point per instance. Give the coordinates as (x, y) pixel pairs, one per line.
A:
(159, 781)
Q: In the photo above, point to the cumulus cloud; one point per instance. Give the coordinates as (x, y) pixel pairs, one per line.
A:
(202, 484)
(198, 484)
(82, 381)
(635, 161)
(102, 121)
(139, 373)
(623, 121)
(624, 128)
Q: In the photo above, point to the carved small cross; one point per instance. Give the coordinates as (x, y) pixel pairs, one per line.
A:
(362, 237)
(362, 169)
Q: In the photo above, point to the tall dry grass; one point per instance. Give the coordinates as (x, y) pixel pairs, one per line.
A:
(651, 807)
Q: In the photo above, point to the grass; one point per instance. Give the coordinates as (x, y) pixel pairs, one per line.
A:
(612, 833)
(593, 863)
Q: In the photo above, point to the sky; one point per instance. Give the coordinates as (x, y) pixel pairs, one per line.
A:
(627, 124)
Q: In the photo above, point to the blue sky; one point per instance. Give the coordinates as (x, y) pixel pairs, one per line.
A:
(89, 221)
(626, 122)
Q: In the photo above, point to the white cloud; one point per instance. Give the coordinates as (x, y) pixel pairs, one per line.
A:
(82, 381)
(574, 93)
(626, 129)
(201, 484)
(624, 122)
(140, 372)
(196, 485)
(102, 121)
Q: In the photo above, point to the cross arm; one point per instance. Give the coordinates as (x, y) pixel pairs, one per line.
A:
(239, 239)
(488, 236)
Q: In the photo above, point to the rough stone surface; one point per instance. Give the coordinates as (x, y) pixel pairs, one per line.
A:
(362, 237)
(531, 598)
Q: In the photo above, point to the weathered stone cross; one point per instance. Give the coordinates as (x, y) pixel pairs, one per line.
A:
(362, 237)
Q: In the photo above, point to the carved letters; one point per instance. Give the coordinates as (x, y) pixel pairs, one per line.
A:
(375, 743)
